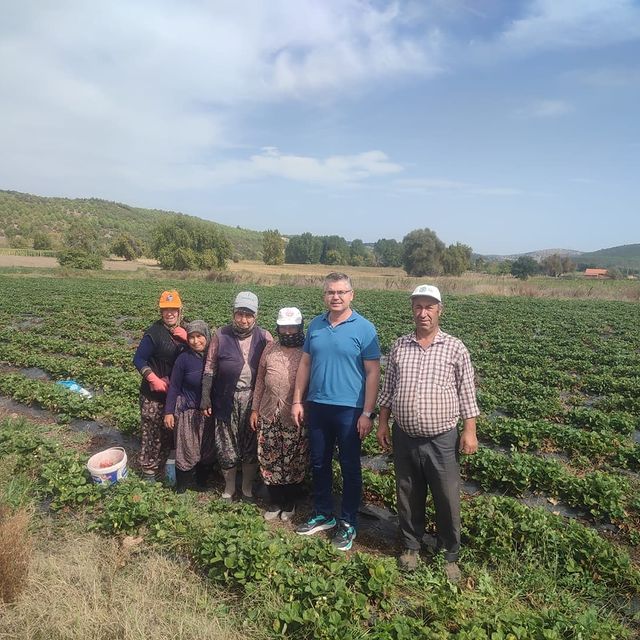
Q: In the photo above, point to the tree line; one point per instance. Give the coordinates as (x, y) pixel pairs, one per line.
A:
(420, 253)
(184, 243)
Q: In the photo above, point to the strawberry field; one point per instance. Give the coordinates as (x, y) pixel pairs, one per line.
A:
(551, 515)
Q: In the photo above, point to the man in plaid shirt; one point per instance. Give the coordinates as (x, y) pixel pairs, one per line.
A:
(428, 386)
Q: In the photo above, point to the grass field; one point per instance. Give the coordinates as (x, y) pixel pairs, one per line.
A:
(393, 279)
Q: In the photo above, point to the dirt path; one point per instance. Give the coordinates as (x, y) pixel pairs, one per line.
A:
(51, 263)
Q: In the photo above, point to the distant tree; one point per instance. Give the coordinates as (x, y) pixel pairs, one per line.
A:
(332, 245)
(272, 247)
(552, 265)
(303, 249)
(42, 241)
(83, 235)
(18, 242)
(178, 259)
(82, 249)
(359, 254)
(422, 253)
(388, 252)
(614, 273)
(334, 257)
(127, 247)
(568, 265)
(504, 267)
(78, 259)
(479, 265)
(456, 259)
(186, 244)
(524, 267)
(555, 265)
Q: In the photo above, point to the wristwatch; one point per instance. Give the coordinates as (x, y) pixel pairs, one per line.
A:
(369, 414)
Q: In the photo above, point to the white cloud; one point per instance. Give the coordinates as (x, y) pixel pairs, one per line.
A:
(434, 185)
(545, 109)
(334, 170)
(148, 93)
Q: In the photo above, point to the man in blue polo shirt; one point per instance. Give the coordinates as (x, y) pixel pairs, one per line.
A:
(340, 370)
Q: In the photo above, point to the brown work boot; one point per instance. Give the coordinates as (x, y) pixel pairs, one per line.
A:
(452, 571)
(409, 560)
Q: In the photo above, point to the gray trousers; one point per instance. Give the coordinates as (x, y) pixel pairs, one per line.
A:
(428, 463)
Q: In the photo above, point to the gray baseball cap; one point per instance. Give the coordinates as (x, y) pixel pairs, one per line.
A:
(246, 300)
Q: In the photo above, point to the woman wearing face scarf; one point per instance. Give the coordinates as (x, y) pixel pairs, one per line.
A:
(227, 390)
(161, 344)
(193, 431)
(283, 449)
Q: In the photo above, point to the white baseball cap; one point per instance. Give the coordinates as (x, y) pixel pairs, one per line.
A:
(289, 316)
(427, 290)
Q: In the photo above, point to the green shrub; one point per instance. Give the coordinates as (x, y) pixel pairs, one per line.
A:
(78, 259)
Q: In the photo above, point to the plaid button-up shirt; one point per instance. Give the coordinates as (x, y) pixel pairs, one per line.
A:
(429, 389)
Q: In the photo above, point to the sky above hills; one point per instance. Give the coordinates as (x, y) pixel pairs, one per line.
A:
(508, 125)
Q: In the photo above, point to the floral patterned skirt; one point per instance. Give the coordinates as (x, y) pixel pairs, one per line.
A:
(283, 452)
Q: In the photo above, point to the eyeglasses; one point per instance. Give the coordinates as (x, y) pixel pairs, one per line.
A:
(340, 294)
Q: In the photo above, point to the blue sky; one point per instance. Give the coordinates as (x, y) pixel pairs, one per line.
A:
(508, 125)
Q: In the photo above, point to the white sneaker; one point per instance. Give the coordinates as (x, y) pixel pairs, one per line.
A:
(286, 516)
(272, 515)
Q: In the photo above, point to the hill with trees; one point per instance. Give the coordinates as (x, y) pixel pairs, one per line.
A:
(41, 222)
(625, 257)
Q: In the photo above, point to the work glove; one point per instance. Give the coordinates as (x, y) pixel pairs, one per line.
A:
(180, 333)
(159, 385)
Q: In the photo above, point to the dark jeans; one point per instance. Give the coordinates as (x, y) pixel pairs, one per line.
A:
(329, 424)
(428, 463)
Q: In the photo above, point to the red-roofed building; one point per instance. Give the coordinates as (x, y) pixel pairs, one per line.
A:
(595, 273)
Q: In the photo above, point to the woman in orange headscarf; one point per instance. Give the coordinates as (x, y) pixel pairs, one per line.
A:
(161, 344)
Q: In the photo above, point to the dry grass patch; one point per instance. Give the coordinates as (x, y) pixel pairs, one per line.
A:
(15, 550)
(92, 588)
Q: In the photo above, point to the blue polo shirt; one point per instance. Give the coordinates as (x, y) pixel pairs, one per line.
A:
(337, 359)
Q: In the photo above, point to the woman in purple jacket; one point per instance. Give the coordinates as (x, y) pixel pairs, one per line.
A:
(227, 391)
(193, 430)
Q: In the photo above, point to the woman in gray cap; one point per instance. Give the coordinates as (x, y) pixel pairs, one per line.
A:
(193, 431)
(227, 391)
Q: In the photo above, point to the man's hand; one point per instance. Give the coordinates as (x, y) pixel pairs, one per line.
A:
(253, 420)
(169, 421)
(384, 435)
(468, 438)
(297, 414)
(364, 426)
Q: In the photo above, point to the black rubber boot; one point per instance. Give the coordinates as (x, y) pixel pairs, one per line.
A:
(202, 474)
(183, 479)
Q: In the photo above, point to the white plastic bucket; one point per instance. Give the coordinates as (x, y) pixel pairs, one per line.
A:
(108, 466)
